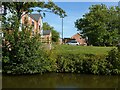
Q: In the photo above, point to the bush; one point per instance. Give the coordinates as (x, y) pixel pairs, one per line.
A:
(82, 64)
(23, 54)
(75, 61)
(66, 63)
(88, 64)
(114, 59)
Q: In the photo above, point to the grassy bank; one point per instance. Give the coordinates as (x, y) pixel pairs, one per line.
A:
(82, 49)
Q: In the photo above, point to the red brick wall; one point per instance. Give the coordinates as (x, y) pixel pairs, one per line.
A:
(78, 38)
(36, 24)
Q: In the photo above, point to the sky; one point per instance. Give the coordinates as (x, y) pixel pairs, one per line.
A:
(74, 11)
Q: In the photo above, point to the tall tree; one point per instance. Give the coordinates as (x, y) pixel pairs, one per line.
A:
(55, 34)
(100, 25)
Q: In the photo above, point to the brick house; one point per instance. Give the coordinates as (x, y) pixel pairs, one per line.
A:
(76, 37)
(79, 39)
(34, 20)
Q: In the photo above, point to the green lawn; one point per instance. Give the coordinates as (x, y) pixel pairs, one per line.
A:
(82, 49)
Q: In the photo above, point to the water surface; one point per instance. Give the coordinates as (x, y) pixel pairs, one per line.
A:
(60, 80)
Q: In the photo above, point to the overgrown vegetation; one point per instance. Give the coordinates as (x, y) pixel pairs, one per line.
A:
(71, 60)
(23, 54)
(63, 61)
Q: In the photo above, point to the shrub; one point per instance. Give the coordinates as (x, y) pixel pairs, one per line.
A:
(114, 59)
(90, 64)
(22, 53)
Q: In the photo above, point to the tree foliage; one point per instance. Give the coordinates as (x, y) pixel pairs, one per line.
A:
(100, 25)
(21, 8)
(55, 34)
(22, 53)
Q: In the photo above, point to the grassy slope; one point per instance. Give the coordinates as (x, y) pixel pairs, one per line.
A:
(82, 49)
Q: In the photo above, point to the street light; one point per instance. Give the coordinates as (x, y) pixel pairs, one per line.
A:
(62, 30)
(62, 26)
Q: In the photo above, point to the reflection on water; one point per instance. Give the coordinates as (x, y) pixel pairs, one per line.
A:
(60, 80)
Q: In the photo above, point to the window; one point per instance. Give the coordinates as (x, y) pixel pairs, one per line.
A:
(32, 23)
(73, 41)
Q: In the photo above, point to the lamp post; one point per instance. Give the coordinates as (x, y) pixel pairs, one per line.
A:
(62, 30)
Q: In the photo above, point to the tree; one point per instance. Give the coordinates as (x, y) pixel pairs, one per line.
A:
(100, 25)
(23, 54)
(55, 34)
(46, 26)
(20, 8)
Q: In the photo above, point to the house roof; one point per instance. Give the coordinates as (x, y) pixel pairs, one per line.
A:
(77, 35)
(46, 32)
(35, 16)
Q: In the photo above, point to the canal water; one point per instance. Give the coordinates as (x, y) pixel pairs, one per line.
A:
(60, 80)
